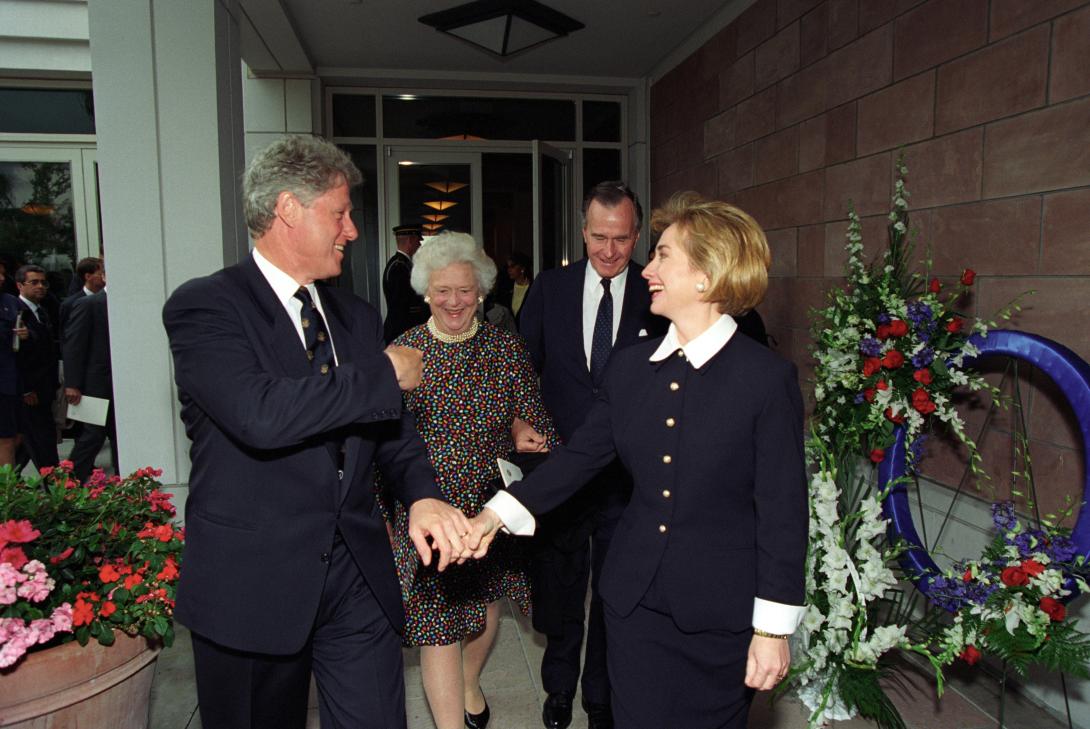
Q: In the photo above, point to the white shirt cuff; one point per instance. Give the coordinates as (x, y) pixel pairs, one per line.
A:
(776, 617)
(516, 519)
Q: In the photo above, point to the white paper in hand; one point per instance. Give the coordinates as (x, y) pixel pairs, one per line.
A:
(509, 472)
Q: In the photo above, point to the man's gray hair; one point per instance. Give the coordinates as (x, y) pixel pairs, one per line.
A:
(445, 249)
(305, 166)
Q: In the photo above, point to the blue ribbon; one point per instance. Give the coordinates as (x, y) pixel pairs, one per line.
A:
(1070, 373)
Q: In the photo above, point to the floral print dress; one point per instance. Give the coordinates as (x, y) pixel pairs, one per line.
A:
(469, 395)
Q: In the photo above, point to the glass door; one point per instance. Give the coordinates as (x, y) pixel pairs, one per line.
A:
(553, 214)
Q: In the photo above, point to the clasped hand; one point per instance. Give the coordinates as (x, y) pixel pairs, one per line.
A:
(435, 525)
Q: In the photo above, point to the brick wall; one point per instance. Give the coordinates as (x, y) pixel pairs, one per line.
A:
(800, 105)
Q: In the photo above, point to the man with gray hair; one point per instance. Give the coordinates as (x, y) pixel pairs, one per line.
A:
(290, 400)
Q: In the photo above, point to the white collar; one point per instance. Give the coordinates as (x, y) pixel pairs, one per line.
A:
(88, 292)
(701, 348)
(283, 285)
(595, 280)
(30, 304)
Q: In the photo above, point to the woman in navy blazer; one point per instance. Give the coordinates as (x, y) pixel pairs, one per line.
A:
(704, 581)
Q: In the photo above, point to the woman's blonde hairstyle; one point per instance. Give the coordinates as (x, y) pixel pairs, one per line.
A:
(723, 242)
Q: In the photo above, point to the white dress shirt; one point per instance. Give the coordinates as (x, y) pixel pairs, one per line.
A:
(773, 617)
(284, 286)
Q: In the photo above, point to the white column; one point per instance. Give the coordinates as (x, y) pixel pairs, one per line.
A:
(168, 109)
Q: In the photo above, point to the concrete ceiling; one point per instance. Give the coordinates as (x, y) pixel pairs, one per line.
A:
(623, 39)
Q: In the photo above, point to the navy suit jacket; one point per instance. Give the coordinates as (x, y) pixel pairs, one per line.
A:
(86, 347)
(551, 322)
(38, 371)
(265, 500)
(718, 513)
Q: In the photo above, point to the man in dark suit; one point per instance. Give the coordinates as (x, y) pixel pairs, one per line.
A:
(92, 278)
(405, 308)
(290, 401)
(38, 370)
(88, 371)
(572, 319)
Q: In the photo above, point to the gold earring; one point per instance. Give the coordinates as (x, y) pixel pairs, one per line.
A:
(427, 299)
(700, 287)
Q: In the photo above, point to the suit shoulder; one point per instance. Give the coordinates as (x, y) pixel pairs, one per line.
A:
(759, 361)
(224, 284)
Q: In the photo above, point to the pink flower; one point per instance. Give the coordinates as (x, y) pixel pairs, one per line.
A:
(13, 556)
(62, 618)
(44, 628)
(18, 531)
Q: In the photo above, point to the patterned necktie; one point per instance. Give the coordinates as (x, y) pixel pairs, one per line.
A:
(602, 341)
(319, 348)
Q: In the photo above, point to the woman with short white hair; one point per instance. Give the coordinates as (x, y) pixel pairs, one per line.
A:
(478, 400)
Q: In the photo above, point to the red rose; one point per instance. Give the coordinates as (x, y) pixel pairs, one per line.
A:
(1032, 567)
(898, 328)
(934, 287)
(968, 576)
(897, 419)
(955, 325)
(893, 359)
(967, 277)
(882, 385)
(871, 365)
(883, 331)
(922, 376)
(1014, 577)
(970, 655)
(922, 401)
(869, 394)
(877, 455)
(1054, 609)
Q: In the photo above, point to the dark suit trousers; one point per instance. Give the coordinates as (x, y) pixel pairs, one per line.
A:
(89, 442)
(567, 557)
(353, 651)
(39, 432)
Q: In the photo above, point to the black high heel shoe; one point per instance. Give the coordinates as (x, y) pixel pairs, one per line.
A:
(479, 721)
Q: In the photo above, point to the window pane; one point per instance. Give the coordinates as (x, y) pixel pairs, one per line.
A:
(47, 111)
(600, 165)
(445, 117)
(601, 121)
(353, 115)
(36, 223)
(362, 268)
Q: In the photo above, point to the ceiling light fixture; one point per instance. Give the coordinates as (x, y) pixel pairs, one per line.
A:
(435, 218)
(432, 227)
(446, 187)
(503, 28)
(440, 204)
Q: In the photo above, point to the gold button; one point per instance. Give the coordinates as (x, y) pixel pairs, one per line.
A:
(667, 459)
(666, 493)
(670, 422)
(310, 355)
(662, 528)
(324, 369)
(306, 323)
(321, 336)
(674, 386)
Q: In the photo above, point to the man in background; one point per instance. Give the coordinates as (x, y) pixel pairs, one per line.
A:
(38, 372)
(405, 308)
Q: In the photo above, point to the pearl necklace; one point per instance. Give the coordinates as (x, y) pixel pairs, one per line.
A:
(453, 338)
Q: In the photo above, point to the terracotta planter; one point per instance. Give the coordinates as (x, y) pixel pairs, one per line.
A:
(72, 686)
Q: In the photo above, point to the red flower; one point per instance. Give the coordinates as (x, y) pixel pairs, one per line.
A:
(967, 277)
(922, 376)
(13, 556)
(968, 576)
(57, 559)
(1054, 609)
(893, 359)
(18, 532)
(169, 571)
(898, 328)
(897, 419)
(82, 613)
(109, 574)
(869, 394)
(955, 325)
(934, 287)
(1014, 577)
(1032, 567)
(871, 365)
(132, 581)
(877, 455)
(882, 385)
(107, 609)
(922, 401)
(883, 331)
(970, 655)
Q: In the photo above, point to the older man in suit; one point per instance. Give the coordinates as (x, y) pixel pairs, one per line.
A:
(573, 318)
(290, 399)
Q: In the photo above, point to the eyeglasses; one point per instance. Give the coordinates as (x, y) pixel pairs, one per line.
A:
(36, 282)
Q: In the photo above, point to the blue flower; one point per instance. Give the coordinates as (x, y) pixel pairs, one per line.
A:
(884, 319)
(1003, 515)
(915, 450)
(870, 347)
(1062, 549)
(923, 358)
(859, 398)
(919, 313)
